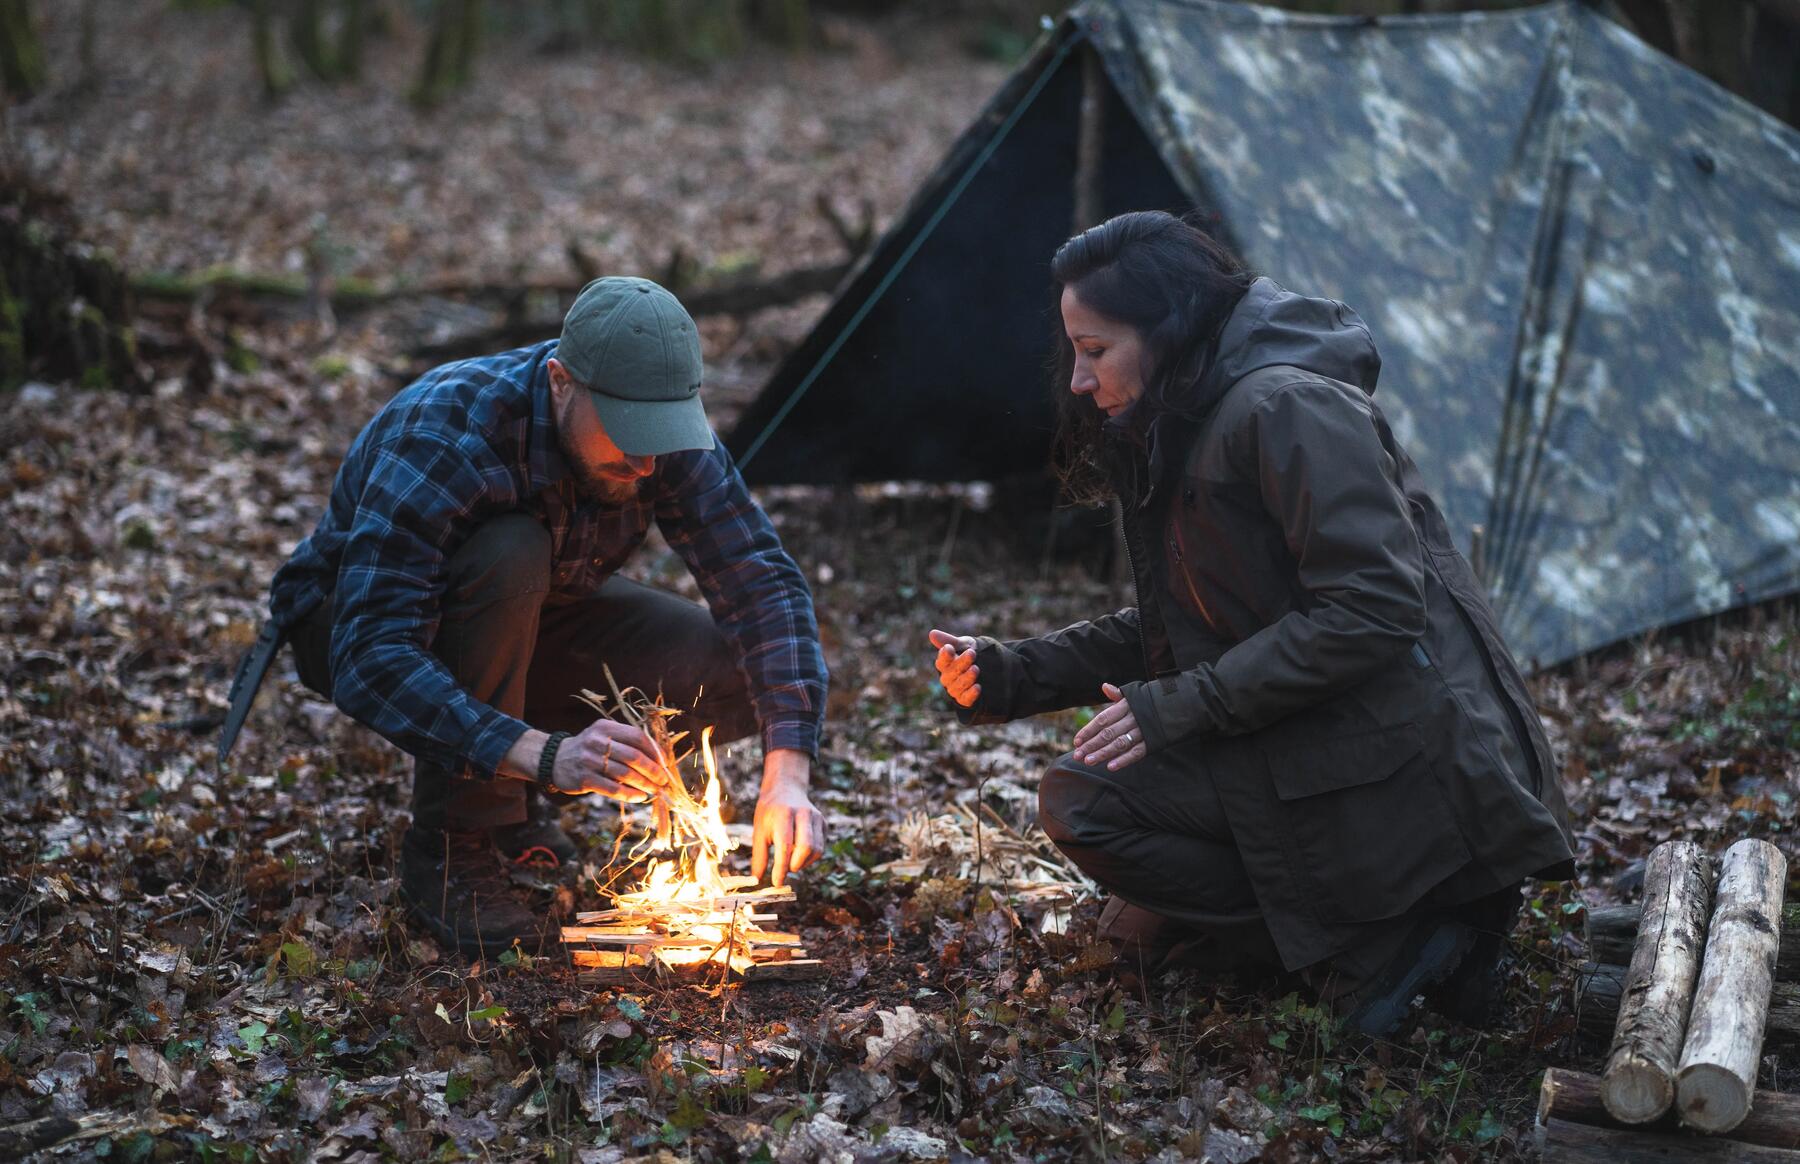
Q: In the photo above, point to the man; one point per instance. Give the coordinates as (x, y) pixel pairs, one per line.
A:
(461, 588)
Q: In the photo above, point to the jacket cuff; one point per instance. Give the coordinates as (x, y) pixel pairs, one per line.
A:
(1167, 709)
(996, 665)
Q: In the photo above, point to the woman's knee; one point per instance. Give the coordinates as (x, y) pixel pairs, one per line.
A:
(505, 557)
(1067, 797)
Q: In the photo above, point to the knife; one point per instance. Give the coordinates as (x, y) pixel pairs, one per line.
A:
(250, 671)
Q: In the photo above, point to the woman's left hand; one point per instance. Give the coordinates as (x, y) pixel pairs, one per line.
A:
(1112, 737)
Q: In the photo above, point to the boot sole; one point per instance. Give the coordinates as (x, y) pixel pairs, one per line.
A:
(1440, 954)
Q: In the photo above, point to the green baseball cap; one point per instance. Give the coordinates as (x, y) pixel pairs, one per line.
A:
(638, 352)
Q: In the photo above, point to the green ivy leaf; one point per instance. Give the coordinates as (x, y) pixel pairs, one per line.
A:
(1318, 1113)
(457, 1088)
(254, 1035)
(298, 959)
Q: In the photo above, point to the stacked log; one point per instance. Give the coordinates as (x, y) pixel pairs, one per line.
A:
(1691, 1011)
(1612, 929)
(1639, 1083)
(1717, 1077)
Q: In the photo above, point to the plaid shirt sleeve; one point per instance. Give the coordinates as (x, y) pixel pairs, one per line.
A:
(420, 496)
(757, 594)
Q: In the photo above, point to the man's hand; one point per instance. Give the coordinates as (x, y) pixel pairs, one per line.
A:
(612, 759)
(956, 667)
(1112, 737)
(786, 821)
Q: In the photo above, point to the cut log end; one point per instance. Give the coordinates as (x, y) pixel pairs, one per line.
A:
(1711, 1098)
(1636, 1091)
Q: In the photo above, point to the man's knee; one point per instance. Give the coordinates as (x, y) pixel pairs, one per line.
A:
(505, 557)
(1068, 797)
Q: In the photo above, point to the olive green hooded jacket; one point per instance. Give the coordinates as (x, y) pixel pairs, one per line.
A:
(1308, 635)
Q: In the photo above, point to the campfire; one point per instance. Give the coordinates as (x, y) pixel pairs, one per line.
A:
(685, 915)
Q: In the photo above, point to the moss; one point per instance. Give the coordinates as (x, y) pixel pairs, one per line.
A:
(240, 358)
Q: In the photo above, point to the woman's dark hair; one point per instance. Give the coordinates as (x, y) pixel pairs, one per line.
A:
(1172, 282)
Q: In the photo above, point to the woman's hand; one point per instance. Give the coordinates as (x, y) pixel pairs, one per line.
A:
(612, 759)
(1112, 737)
(956, 667)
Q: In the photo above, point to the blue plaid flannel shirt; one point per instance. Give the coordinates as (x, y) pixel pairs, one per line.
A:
(474, 439)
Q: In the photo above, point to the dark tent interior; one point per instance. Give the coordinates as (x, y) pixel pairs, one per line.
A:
(915, 373)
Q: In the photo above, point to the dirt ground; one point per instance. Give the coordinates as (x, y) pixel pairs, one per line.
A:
(207, 963)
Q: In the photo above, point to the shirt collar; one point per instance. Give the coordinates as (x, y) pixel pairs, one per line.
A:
(545, 464)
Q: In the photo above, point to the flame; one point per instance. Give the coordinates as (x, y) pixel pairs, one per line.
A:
(683, 883)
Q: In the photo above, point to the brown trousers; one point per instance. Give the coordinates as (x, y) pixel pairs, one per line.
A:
(511, 648)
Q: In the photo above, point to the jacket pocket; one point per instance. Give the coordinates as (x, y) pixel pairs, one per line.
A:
(1371, 829)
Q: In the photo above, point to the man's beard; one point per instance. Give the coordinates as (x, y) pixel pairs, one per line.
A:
(591, 484)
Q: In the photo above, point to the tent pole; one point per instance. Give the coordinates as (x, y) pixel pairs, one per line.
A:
(1090, 147)
(1090, 141)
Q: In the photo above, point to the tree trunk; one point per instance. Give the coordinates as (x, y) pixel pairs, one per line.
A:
(1731, 1002)
(355, 17)
(274, 71)
(1640, 1070)
(307, 31)
(87, 33)
(786, 22)
(450, 54)
(1563, 1142)
(65, 313)
(1612, 930)
(21, 49)
(468, 39)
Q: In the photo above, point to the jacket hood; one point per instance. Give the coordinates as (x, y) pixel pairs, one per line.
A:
(1271, 325)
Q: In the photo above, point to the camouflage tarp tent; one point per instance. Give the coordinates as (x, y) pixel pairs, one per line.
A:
(1581, 262)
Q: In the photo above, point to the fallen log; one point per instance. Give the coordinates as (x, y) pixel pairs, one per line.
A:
(1638, 1085)
(1598, 987)
(1717, 1076)
(1564, 1142)
(1612, 930)
(1574, 1097)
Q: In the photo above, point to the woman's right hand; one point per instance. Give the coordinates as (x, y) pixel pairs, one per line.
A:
(613, 759)
(956, 667)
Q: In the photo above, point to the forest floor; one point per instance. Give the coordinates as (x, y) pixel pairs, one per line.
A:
(205, 962)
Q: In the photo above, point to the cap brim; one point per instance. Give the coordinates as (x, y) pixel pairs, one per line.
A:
(651, 428)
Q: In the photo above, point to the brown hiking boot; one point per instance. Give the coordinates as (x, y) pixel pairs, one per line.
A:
(455, 885)
(538, 839)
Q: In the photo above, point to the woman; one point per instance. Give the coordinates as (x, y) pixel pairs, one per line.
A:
(1315, 745)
